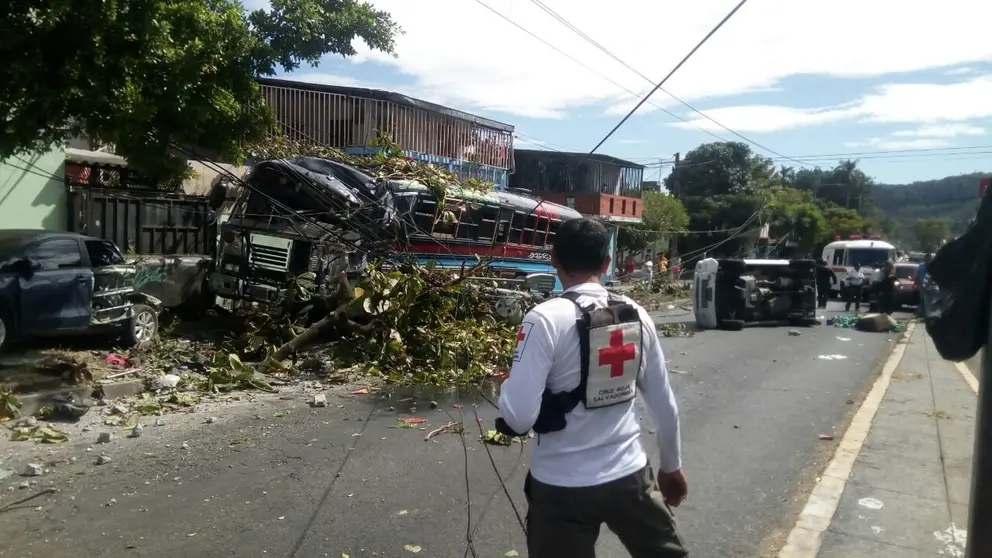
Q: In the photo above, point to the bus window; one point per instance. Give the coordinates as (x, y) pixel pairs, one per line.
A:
(423, 216)
(468, 224)
(486, 216)
(503, 225)
(446, 222)
(541, 233)
(529, 226)
(517, 228)
(552, 230)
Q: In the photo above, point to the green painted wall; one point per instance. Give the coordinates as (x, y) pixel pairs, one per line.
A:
(32, 191)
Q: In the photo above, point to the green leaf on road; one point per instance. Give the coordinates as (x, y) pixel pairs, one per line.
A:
(412, 548)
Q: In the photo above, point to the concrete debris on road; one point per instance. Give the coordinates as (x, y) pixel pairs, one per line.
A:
(104, 438)
(211, 420)
(136, 431)
(33, 470)
(118, 409)
(103, 460)
(168, 381)
(319, 400)
(794, 332)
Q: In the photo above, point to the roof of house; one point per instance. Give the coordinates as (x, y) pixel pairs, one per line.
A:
(389, 96)
(573, 155)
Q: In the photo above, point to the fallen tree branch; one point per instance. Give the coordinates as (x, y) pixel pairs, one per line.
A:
(322, 326)
(8, 507)
(437, 431)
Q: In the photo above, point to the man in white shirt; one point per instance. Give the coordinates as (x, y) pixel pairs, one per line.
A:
(589, 467)
(855, 288)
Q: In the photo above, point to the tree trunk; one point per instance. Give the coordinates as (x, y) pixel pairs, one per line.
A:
(345, 294)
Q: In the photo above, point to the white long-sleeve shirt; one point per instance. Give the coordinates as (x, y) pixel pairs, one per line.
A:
(598, 445)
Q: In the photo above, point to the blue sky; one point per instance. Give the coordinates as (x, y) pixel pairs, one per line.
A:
(906, 90)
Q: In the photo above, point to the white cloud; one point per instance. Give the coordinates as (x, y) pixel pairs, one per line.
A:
(897, 144)
(468, 57)
(343, 81)
(965, 71)
(939, 105)
(942, 131)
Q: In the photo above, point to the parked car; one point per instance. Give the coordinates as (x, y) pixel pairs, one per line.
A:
(907, 289)
(60, 283)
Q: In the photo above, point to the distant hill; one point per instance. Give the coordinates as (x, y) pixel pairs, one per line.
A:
(952, 197)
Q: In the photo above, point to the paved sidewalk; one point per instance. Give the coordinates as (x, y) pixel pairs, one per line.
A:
(907, 493)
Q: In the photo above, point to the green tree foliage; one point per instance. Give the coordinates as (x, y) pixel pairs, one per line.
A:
(792, 215)
(931, 233)
(841, 221)
(146, 74)
(723, 185)
(663, 214)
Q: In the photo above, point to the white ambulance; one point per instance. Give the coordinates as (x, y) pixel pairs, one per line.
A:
(870, 251)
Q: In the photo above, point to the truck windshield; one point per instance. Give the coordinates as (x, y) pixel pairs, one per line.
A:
(868, 257)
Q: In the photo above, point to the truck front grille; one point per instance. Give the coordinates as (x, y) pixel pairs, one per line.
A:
(269, 252)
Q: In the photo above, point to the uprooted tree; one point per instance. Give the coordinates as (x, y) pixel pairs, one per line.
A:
(146, 75)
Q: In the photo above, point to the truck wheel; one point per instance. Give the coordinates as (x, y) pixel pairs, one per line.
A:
(142, 327)
(732, 325)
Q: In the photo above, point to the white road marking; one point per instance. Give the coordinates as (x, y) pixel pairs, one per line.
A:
(871, 503)
(968, 375)
(806, 537)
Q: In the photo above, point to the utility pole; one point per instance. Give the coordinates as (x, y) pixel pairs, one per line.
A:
(979, 543)
(673, 243)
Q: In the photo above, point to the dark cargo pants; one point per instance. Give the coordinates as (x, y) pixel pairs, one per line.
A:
(564, 522)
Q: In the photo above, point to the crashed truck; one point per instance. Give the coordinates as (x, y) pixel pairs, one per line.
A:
(732, 294)
(314, 218)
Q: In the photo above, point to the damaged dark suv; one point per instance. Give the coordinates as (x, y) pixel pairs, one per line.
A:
(60, 283)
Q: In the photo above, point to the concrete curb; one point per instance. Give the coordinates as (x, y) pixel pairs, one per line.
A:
(31, 403)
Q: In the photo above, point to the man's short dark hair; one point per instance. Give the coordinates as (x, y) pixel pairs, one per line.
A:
(582, 245)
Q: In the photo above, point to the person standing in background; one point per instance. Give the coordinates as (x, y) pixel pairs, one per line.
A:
(919, 280)
(887, 288)
(825, 278)
(854, 289)
(662, 263)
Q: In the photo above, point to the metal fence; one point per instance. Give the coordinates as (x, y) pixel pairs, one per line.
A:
(142, 221)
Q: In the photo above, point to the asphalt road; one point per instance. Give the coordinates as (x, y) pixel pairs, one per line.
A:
(273, 477)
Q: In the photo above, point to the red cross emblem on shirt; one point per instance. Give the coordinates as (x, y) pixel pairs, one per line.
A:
(617, 353)
(521, 334)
